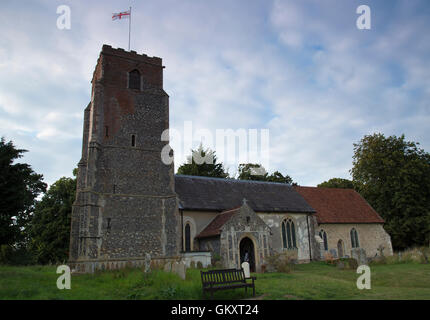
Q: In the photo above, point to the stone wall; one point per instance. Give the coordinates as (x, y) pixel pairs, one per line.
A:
(274, 221)
(370, 237)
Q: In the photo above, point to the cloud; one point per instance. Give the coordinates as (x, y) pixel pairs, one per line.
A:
(299, 68)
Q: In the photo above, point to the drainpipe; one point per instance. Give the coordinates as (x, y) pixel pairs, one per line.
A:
(309, 237)
(182, 229)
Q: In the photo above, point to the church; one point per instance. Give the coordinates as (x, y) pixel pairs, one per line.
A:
(131, 208)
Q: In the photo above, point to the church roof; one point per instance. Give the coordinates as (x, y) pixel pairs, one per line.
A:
(217, 194)
(335, 205)
(215, 226)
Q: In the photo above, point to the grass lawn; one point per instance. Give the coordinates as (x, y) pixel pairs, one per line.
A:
(315, 280)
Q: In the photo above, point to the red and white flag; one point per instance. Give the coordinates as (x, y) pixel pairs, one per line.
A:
(121, 15)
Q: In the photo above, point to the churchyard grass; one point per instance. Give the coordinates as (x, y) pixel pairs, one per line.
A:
(316, 280)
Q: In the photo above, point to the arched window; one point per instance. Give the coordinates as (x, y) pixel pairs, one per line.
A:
(288, 234)
(187, 237)
(133, 140)
(354, 238)
(134, 79)
(323, 236)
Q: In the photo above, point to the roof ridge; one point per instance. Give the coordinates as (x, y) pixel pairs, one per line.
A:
(311, 187)
(227, 211)
(231, 180)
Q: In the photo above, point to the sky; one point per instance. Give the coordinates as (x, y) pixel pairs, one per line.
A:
(300, 69)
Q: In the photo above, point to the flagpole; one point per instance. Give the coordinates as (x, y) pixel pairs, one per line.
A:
(129, 30)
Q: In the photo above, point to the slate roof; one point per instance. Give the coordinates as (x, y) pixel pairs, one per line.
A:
(335, 205)
(204, 193)
(214, 227)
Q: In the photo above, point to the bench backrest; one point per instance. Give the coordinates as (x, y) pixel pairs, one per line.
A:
(222, 276)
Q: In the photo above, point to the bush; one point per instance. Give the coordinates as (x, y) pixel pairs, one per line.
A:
(329, 259)
(17, 257)
(215, 258)
(6, 252)
(412, 255)
(280, 262)
(199, 265)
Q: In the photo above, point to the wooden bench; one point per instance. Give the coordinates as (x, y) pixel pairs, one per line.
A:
(224, 279)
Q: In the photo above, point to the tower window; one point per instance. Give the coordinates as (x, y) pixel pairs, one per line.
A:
(107, 131)
(108, 223)
(133, 140)
(134, 79)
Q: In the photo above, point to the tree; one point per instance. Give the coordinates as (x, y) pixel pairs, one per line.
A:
(203, 163)
(393, 175)
(19, 187)
(279, 177)
(256, 172)
(50, 226)
(252, 171)
(337, 183)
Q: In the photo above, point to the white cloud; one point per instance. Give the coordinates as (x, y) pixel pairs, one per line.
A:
(301, 69)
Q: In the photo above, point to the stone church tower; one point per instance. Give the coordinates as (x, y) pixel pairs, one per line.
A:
(125, 205)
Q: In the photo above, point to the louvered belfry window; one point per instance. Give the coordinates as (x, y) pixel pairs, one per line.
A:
(134, 79)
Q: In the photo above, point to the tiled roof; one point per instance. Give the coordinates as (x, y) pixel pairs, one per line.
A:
(214, 228)
(335, 205)
(204, 193)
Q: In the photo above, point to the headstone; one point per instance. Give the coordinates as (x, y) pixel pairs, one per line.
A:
(245, 267)
(359, 254)
(333, 252)
(168, 267)
(181, 270)
(147, 262)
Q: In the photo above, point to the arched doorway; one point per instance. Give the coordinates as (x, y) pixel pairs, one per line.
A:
(340, 247)
(247, 253)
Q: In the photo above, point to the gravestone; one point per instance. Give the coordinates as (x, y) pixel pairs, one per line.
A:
(245, 267)
(168, 267)
(333, 252)
(359, 254)
(180, 269)
(147, 263)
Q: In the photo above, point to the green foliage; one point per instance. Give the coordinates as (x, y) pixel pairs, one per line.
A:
(337, 183)
(50, 226)
(393, 175)
(256, 172)
(19, 187)
(6, 252)
(203, 163)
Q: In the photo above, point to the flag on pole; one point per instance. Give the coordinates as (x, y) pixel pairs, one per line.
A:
(124, 15)
(121, 15)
